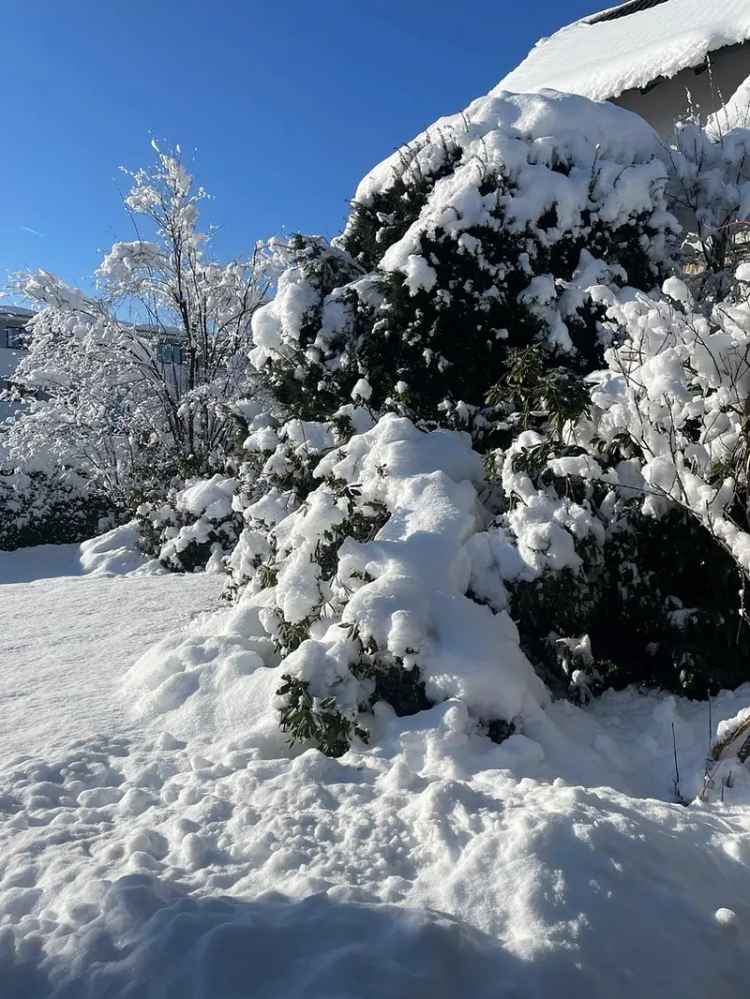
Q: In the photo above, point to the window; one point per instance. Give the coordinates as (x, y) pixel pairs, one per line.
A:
(622, 11)
(171, 353)
(12, 337)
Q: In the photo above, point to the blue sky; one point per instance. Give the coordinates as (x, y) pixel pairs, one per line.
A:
(284, 105)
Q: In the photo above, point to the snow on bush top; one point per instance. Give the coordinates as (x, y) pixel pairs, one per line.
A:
(604, 59)
(504, 123)
(401, 593)
(484, 235)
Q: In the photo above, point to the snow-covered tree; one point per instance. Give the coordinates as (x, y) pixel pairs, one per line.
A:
(139, 382)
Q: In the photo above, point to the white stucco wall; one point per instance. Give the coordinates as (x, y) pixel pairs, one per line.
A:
(710, 90)
(8, 361)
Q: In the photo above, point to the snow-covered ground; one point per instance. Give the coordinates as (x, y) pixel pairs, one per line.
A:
(67, 637)
(175, 846)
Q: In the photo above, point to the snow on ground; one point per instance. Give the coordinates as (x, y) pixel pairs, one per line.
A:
(70, 629)
(183, 850)
(603, 60)
(112, 554)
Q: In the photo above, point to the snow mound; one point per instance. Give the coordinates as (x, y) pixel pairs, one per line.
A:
(151, 940)
(497, 127)
(209, 679)
(115, 553)
(604, 59)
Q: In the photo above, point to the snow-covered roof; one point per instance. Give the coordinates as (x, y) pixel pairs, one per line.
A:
(630, 45)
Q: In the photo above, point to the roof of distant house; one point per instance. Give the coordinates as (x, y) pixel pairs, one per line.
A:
(15, 312)
(630, 45)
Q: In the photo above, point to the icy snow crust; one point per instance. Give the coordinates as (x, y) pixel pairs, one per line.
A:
(603, 60)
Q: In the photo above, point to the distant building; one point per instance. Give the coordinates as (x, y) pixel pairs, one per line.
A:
(645, 55)
(12, 328)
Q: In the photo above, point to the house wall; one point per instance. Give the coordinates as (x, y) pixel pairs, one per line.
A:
(9, 358)
(8, 361)
(667, 100)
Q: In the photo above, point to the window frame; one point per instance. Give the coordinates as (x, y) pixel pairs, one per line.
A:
(12, 338)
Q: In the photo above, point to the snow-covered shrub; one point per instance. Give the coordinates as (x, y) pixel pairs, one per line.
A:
(710, 189)
(362, 590)
(276, 476)
(677, 390)
(634, 585)
(482, 238)
(632, 525)
(195, 527)
(51, 506)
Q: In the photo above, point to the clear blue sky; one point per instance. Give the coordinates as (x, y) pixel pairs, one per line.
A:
(286, 105)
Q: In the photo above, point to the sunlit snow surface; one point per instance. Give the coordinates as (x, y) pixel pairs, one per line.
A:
(73, 619)
(189, 854)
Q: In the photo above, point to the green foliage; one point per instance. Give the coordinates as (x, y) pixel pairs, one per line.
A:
(361, 522)
(475, 334)
(499, 730)
(656, 600)
(309, 720)
(290, 635)
(534, 392)
(184, 541)
(375, 226)
(322, 723)
(402, 688)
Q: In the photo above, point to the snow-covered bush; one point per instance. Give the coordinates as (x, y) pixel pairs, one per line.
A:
(49, 506)
(485, 275)
(194, 527)
(632, 524)
(590, 563)
(484, 237)
(277, 475)
(677, 390)
(710, 190)
(361, 589)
